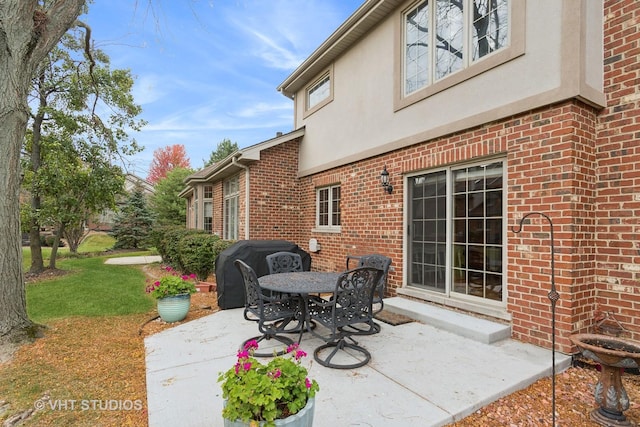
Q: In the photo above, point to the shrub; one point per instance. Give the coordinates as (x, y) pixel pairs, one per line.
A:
(169, 244)
(197, 254)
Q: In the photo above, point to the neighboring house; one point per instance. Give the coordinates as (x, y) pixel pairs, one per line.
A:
(104, 220)
(263, 178)
(480, 114)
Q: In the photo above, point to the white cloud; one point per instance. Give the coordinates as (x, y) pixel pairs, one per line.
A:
(147, 89)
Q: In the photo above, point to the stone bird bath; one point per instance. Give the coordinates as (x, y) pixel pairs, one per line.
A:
(613, 354)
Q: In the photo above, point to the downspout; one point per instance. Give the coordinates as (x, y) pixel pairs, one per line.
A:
(234, 161)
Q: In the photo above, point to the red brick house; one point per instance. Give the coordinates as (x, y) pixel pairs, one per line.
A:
(481, 112)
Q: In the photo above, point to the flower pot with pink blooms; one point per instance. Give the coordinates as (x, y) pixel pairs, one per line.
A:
(173, 292)
(279, 393)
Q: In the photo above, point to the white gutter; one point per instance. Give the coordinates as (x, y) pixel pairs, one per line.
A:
(234, 161)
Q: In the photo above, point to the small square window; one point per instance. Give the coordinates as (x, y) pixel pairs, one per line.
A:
(319, 93)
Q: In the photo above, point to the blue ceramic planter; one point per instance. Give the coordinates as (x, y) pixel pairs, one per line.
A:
(304, 418)
(174, 308)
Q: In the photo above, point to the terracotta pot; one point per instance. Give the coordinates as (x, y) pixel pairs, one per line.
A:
(205, 286)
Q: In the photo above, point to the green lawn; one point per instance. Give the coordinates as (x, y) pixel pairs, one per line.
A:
(96, 243)
(90, 288)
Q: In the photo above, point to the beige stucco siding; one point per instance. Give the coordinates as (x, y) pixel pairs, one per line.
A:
(365, 118)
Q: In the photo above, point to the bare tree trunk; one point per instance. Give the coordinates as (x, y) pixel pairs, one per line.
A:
(37, 263)
(74, 234)
(55, 246)
(27, 34)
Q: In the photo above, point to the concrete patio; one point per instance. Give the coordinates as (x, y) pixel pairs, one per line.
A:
(430, 372)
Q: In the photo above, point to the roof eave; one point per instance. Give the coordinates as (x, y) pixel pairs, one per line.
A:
(367, 16)
(232, 163)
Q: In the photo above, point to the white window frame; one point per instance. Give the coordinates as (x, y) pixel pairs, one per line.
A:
(231, 206)
(514, 47)
(312, 105)
(330, 226)
(207, 208)
(195, 207)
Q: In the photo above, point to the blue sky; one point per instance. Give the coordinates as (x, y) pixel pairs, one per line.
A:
(207, 70)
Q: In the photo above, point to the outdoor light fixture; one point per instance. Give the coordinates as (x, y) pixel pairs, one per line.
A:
(384, 180)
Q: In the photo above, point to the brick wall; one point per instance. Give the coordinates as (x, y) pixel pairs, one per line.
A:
(618, 171)
(578, 165)
(550, 157)
(274, 200)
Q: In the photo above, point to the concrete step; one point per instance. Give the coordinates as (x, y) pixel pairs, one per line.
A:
(475, 328)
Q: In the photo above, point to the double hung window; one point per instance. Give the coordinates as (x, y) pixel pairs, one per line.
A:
(328, 207)
(208, 209)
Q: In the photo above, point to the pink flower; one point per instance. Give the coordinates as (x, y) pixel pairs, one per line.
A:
(192, 276)
(243, 354)
(275, 374)
(247, 366)
(292, 347)
(300, 354)
(253, 344)
(307, 382)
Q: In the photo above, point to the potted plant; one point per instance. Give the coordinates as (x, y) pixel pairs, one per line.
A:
(173, 293)
(276, 394)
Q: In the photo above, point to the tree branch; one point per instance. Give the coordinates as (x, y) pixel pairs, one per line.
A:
(49, 24)
(92, 62)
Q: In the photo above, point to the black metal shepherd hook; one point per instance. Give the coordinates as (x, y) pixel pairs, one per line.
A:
(553, 297)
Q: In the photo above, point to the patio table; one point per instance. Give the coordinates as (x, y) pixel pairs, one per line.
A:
(301, 283)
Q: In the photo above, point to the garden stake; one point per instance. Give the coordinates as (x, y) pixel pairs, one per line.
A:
(553, 297)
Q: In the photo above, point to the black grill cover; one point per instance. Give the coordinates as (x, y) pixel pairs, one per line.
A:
(229, 283)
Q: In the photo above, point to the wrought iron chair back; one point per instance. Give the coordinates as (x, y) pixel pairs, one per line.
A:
(284, 262)
(380, 262)
(272, 314)
(351, 304)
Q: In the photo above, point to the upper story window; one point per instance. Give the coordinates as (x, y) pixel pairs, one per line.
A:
(319, 93)
(328, 207)
(442, 37)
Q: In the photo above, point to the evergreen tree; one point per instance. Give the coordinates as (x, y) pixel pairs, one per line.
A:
(168, 208)
(222, 151)
(132, 224)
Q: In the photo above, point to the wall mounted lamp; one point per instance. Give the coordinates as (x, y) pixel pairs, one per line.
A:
(384, 180)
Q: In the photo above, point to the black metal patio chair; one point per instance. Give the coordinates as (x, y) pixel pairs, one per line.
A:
(349, 305)
(284, 262)
(382, 263)
(273, 314)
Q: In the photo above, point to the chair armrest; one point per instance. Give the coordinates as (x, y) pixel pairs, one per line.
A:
(350, 257)
(320, 302)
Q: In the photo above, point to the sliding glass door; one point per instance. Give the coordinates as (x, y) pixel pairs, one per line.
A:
(456, 231)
